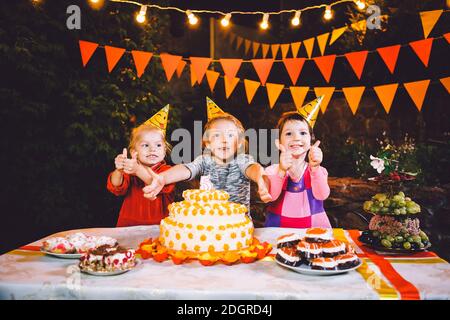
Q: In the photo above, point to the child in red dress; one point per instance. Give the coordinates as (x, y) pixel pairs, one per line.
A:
(147, 148)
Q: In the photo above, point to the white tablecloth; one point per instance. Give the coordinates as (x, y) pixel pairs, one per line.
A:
(31, 275)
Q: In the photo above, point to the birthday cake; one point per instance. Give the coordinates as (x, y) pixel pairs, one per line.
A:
(206, 222)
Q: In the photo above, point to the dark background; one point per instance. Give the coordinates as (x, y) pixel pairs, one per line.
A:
(62, 124)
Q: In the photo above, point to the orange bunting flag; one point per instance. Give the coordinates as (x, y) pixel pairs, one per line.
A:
(141, 60)
(255, 48)
(247, 44)
(273, 92)
(230, 85)
(423, 49)
(265, 49)
(170, 64)
(386, 94)
(357, 60)
(262, 68)
(200, 65)
(353, 96)
(250, 89)
(389, 56)
(230, 67)
(294, 67)
(325, 65)
(429, 19)
(417, 91)
(295, 47)
(447, 37)
(239, 42)
(211, 77)
(180, 68)
(327, 92)
(322, 41)
(285, 50)
(309, 46)
(113, 56)
(193, 77)
(274, 48)
(232, 37)
(336, 33)
(298, 95)
(446, 83)
(87, 49)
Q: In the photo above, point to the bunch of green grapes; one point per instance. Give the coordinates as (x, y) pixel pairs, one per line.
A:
(400, 241)
(397, 205)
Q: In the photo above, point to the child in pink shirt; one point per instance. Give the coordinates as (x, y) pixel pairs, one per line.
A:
(298, 188)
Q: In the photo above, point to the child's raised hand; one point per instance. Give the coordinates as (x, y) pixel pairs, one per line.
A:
(286, 159)
(152, 190)
(315, 155)
(263, 183)
(131, 165)
(119, 161)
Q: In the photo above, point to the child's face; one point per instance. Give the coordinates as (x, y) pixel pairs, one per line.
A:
(295, 137)
(150, 148)
(223, 139)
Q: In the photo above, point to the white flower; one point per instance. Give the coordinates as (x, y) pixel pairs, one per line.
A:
(377, 163)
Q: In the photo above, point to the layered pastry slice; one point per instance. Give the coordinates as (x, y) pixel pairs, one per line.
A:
(288, 256)
(324, 264)
(320, 235)
(333, 248)
(58, 245)
(346, 261)
(309, 250)
(108, 258)
(288, 240)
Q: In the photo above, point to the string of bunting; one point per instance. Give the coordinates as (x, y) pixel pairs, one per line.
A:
(428, 21)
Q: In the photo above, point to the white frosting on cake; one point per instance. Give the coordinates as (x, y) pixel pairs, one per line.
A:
(333, 246)
(311, 248)
(289, 238)
(111, 260)
(58, 245)
(77, 242)
(344, 258)
(206, 225)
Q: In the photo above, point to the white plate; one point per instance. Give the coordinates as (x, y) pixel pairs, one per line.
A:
(112, 273)
(309, 271)
(63, 255)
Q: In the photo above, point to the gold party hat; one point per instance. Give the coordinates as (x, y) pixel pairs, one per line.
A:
(213, 109)
(159, 120)
(310, 110)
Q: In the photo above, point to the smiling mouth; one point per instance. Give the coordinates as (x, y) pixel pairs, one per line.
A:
(296, 146)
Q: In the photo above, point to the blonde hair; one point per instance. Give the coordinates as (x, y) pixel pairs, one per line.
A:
(226, 117)
(137, 132)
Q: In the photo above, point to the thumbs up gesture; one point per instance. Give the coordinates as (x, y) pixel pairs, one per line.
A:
(315, 155)
(131, 165)
(286, 159)
(119, 161)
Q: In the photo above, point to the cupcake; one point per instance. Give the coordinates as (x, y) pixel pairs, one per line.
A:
(319, 235)
(288, 240)
(333, 248)
(309, 250)
(323, 264)
(346, 261)
(288, 256)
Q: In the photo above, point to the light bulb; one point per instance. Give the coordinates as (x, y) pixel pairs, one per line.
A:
(296, 20)
(141, 15)
(93, 1)
(226, 20)
(192, 18)
(265, 22)
(360, 4)
(328, 15)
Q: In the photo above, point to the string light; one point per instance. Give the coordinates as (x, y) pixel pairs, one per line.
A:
(265, 21)
(141, 15)
(93, 1)
(296, 19)
(226, 20)
(192, 18)
(360, 4)
(328, 15)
